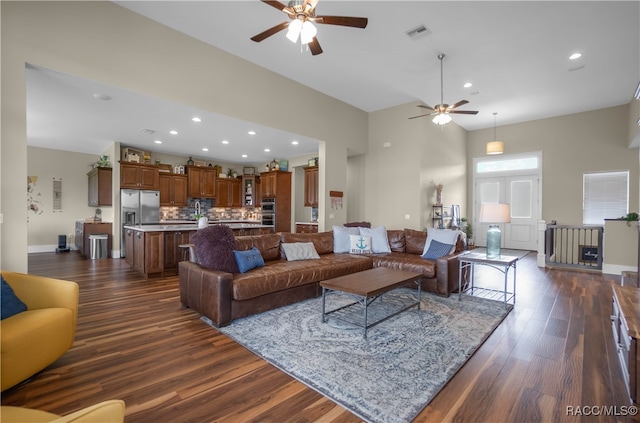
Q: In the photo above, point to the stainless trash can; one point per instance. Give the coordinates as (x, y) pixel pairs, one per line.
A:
(98, 246)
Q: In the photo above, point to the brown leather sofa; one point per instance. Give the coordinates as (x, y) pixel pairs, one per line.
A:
(223, 297)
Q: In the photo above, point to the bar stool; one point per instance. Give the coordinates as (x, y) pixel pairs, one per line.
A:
(187, 251)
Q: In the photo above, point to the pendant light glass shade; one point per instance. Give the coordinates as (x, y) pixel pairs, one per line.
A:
(295, 27)
(308, 32)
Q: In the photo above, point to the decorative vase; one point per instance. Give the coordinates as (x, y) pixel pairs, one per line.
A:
(438, 197)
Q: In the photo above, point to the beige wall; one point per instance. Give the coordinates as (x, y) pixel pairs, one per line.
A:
(106, 43)
(397, 179)
(571, 145)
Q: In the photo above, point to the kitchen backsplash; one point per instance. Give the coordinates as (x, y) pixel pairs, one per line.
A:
(207, 209)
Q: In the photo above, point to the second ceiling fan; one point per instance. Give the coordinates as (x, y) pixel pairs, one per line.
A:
(442, 110)
(303, 16)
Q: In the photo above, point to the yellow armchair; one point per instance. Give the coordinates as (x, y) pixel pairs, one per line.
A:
(111, 411)
(33, 339)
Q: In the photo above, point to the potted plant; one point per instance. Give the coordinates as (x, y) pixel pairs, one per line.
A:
(467, 228)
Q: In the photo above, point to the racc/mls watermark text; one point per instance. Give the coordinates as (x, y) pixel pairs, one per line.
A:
(602, 410)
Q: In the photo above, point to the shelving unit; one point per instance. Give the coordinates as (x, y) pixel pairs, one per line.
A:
(439, 220)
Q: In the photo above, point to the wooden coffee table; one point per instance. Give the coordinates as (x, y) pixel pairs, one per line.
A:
(366, 287)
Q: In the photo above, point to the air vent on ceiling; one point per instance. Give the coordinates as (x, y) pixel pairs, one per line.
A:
(147, 131)
(418, 32)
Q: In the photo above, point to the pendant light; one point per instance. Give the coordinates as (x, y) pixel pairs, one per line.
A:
(495, 147)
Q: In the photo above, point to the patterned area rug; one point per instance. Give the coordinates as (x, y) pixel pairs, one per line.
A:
(392, 374)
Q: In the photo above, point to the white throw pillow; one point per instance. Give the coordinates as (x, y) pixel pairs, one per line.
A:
(299, 251)
(341, 242)
(442, 236)
(379, 240)
(360, 244)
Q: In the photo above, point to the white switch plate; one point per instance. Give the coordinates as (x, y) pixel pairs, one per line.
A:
(331, 215)
(407, 216)
(386, 144)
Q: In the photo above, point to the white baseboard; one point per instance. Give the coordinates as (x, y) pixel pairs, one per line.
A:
(44, 248)
(617, 269)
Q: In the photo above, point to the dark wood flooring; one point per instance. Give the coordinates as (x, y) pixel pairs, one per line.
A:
(135, 342)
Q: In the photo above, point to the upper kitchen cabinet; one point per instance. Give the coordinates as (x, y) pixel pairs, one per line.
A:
(274, 183)
(139, 176)
(249, 191)
(228, 192)
(201, 182)
(100, 187)
(173, 190)
(311, 186)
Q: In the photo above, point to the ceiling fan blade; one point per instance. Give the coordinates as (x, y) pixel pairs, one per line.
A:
(459, 103)
(269, 32)
(424, 106)
(419, 116)
(342, 20)
(464, 112)
(314, 46)
(276, 4)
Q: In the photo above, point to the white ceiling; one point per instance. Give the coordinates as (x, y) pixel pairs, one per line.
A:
(515, 53)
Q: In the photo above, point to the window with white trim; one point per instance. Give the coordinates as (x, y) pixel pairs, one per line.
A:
(605, 196)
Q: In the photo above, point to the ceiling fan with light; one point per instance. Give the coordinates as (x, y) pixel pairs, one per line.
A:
(442, 110)
(303, 16)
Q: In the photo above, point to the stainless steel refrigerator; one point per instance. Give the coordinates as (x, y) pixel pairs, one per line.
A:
(138, 207)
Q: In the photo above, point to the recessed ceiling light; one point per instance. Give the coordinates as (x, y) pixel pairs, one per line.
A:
(575, 56)
(294, 142)
(468, 84)
(158, 142)
(225, 142)
(196, 119)
(205, 149)
(173, 132)
(266, 150)
(244, 156)
(251, 132)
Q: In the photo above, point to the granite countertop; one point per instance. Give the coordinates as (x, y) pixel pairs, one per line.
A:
(163, 227)
(306, 223)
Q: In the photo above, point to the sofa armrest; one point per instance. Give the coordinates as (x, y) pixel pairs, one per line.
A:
(448, 269)
(207, 291)
(39, 292)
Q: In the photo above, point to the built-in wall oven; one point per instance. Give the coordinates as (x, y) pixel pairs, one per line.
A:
(268, 206)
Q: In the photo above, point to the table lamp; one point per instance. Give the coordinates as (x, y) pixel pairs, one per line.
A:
(494, 213)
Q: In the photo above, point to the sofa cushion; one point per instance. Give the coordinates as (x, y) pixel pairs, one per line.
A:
(341, 240)
(248, 259)
(358, 225)
(446, 237)
(268, 245)
(379, 241)
(11, 304)
(409, 262)
(323, 241)
(415, 241)
(396, 239)
(299, 251)
(214, 248)
(360, 244)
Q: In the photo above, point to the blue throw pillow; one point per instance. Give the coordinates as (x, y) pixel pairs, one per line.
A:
(11, 304)
(248, 259)
(436, 250)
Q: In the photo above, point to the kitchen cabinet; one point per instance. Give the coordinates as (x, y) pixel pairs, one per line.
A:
(84, 229)
(100, 192)
(306, 228)
(311, 186)
(139, 176)
(625, 321)
(229, 192)
(277, 184)
(201, 182)
(173, 254)
(249, 190)
(148, 257)
(173, 189)
(128, 246)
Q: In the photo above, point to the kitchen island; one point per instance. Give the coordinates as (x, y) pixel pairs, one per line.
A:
(153, 249)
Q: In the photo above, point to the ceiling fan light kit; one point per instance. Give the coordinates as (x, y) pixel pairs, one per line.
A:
(303, 16)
